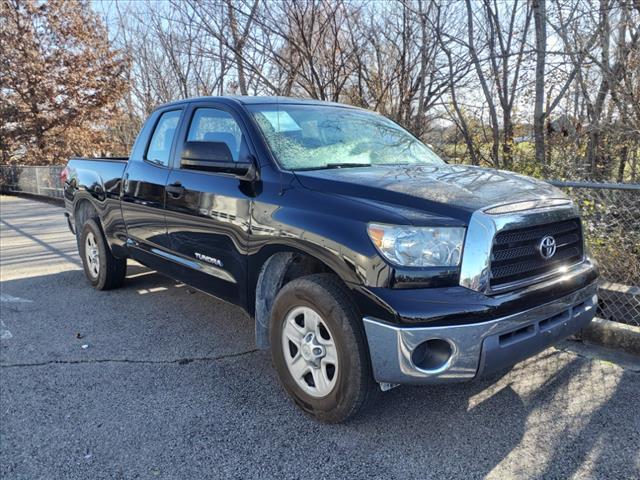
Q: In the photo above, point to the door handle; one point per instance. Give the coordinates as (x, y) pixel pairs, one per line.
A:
(176, 190)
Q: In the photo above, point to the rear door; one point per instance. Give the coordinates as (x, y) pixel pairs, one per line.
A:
(208, 213)
(144, 183)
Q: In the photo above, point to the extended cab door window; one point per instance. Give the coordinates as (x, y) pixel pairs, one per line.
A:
(159, 150)
(144, 185)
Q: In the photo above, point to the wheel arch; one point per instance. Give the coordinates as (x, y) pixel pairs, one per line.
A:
(278, 268)
(85, 208)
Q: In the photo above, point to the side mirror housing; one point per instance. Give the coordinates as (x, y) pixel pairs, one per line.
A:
(214, 157)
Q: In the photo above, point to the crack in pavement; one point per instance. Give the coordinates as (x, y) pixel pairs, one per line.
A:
(179, 361)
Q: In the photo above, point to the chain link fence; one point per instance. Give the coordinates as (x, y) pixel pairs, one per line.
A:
(611, 214)
(42, 181)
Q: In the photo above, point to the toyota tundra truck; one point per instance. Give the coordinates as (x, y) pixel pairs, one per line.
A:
(365, 259)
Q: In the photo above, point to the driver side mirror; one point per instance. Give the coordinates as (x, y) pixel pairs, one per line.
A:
(214, 157)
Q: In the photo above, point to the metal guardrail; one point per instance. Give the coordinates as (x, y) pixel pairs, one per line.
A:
(611, 216)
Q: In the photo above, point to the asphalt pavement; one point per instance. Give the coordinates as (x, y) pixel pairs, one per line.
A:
(154, 380)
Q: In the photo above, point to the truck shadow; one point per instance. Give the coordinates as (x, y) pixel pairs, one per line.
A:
(565, 411)
(552, 416)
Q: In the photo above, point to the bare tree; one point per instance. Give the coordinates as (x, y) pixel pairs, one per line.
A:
(478, 77)
(600, 60)
(539, 8)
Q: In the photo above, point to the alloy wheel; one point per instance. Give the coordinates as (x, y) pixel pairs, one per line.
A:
(92, 255)
(310, 351)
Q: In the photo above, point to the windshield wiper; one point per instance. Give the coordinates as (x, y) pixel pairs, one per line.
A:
(336, 165)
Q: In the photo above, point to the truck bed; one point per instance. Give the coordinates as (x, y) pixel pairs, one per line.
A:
(101, 159)
(101, 177)
(98, 180)
(106, 172)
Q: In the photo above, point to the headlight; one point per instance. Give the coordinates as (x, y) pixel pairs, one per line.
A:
(418, 246)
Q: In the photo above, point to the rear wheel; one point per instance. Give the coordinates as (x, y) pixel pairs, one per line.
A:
(319, 350)
(102, 269)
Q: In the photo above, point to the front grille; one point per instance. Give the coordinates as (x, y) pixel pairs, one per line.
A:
(516, 258)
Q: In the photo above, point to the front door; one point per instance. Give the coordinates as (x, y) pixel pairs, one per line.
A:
(208, 213)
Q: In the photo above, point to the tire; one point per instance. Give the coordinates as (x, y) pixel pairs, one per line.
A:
(319, 304)
(102, 269)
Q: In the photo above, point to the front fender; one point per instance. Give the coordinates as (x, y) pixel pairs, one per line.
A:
(337, 240)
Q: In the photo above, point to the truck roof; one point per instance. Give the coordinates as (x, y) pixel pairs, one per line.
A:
(256, 100)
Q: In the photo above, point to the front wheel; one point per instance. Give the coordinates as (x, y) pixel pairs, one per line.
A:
(319, 349)
(103, 270)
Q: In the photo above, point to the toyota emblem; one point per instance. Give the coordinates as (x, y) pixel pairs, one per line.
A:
(547, 247)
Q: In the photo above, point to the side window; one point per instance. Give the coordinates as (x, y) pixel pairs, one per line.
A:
(159, 149)
(212, 125)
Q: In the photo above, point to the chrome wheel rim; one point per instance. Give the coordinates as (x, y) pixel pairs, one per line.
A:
(92, 255)
(310, 352)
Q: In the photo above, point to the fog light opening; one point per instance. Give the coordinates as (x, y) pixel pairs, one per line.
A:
(432, 355)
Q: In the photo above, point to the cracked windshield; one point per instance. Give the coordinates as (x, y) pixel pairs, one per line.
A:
(304, 137)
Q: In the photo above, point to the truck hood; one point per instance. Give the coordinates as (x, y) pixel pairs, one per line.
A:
(453, 191)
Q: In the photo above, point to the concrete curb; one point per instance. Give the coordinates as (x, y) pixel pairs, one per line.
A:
(615, 335)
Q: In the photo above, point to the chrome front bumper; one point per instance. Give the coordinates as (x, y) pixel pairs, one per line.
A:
(478, 348)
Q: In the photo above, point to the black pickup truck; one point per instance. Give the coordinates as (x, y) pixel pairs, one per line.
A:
(365, 259)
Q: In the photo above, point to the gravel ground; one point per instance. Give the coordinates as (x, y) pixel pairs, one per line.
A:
(169, 385)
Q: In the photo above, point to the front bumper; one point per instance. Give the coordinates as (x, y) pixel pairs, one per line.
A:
(470, 350)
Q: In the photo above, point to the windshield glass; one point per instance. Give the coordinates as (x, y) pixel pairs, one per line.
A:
(309, 137)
